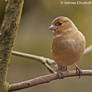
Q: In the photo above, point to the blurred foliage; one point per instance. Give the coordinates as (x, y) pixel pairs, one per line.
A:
(35, 38)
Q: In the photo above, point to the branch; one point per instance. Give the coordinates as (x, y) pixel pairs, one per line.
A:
(45, 79)
(34, 57)
(87, 50)
(41, 58)
(45, 61)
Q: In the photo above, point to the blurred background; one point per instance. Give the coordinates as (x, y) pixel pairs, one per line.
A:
(34, 37)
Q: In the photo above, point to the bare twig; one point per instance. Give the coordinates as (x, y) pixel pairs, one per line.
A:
(49, 68)
(45, 61)
(45, 79)
(41, 58)
(34, 57)
(87, 50)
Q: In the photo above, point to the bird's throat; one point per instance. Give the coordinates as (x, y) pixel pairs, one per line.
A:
(57, 36)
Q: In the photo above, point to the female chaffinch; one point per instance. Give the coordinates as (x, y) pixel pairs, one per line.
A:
(68, 44)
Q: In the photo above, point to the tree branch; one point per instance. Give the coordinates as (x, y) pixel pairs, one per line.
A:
(34, 57)
(46, 79)
(41, 58)
(45, 61)
(87, 50)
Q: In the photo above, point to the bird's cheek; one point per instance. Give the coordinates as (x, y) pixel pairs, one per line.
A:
(59, 30)
(54, 31)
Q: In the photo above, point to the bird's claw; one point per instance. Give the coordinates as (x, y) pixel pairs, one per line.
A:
(59, 74)
(78, 71)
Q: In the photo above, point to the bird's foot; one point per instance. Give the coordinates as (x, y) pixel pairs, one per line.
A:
(59, 74)
(78, 70)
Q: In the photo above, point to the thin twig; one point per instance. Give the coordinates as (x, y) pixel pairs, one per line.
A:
(87, 50)
(41, 58)
(49, 68)
(45, 79)
(34, 57)
(45, 61)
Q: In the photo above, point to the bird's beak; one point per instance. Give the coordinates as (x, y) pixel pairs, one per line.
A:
(52, 27)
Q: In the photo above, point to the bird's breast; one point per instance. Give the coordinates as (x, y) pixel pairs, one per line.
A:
(67, 50)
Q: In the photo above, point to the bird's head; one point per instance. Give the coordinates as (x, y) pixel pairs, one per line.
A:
(60, 25)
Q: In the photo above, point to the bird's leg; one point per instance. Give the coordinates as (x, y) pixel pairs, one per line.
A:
(59, 74)
(60, 70)
(78, 70)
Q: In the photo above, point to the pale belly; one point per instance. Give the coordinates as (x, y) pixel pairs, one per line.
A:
(67, 52)
(66, 59)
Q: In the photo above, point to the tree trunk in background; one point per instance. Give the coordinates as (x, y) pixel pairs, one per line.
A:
(2, 10)
(9, 26)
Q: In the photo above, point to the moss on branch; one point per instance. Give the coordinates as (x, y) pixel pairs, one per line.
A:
(2, 10)
(8, 33)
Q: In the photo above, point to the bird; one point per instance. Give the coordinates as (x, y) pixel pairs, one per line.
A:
(68, 44)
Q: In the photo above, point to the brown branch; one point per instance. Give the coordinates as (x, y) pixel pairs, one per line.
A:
(45, 79)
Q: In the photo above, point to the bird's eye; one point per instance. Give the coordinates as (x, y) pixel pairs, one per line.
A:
(58, 23)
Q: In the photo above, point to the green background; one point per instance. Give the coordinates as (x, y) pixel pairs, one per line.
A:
(34, 37)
